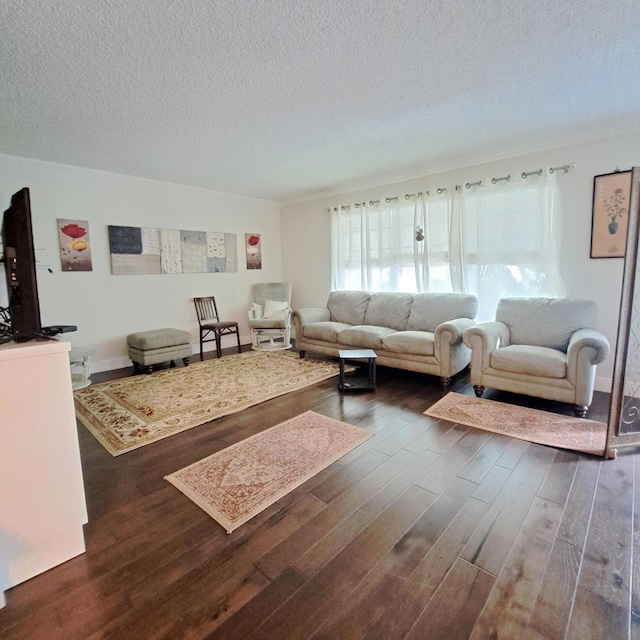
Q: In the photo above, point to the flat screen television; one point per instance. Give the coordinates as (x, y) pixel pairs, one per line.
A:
(20, 269)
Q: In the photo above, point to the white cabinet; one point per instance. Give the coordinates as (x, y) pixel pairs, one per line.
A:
(42, 502)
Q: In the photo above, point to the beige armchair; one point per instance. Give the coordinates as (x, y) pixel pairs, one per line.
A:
(542, 347)
(270, 316)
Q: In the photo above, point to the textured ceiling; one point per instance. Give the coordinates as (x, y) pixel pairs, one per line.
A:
(293, 99)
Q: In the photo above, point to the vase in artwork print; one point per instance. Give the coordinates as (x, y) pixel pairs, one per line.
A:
(615, 209)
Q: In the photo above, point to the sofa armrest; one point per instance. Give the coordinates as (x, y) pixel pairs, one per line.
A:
(453, 330)
(311, 314)
(302, 317)
(482, 340)
(449, 350)
(587, 348)
(589, 338)
(490, 334)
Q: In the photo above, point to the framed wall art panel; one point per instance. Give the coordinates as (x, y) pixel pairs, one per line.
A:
(610, 214)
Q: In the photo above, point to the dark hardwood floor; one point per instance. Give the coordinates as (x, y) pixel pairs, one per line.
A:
(427, 530)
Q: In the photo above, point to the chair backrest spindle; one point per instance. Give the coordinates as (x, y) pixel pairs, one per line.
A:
(206, 309)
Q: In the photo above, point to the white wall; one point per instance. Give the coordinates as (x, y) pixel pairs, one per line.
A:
(306, 226)
(105, 307)
(296, 244)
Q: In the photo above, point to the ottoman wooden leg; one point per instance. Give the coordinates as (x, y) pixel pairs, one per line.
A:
(186, 361)
(148, 369)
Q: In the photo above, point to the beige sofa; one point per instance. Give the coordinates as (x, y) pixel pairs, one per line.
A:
(418, 332)
(542, 347)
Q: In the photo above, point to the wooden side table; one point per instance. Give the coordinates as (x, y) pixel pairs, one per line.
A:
(355, 380)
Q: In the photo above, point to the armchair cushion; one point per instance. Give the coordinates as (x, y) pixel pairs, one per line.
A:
(268, 323)
(274, 309)
(263, 291)
(533, 361)
(545, 322)
(256, 311)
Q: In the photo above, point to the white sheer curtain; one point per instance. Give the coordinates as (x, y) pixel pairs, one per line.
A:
(492, 241)
(376, 247)
(504, 241)
(437, 219)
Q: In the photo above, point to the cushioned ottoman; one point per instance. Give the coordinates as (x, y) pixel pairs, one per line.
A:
(147, 348)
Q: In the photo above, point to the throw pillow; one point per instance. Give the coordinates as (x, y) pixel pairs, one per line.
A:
(256, 311)
(274, 309)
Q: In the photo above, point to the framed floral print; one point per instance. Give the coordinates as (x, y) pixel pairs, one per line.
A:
(75, 247)
(610, 214)
(253, 250)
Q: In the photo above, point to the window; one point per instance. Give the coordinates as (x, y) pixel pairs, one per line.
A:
(492, 242)
(376, 248)
(507, 243)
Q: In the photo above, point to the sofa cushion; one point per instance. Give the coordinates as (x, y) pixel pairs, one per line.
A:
(328, 330)
(348, 307)
(364, 336)
(418, 342)
(389, 310)
(546, 322)
(532, 361)
(432, 309)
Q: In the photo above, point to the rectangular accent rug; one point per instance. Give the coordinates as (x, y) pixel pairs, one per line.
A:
(237, 483)
(132, 412)
(532, 425)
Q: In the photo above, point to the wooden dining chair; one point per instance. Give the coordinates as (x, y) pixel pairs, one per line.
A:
(211, 327)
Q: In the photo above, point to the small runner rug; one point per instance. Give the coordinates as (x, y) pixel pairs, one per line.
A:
(532, 425)
(132, 412)
(237, 483)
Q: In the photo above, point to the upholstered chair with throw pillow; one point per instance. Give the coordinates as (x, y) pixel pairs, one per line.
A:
(542, 347)
(270, 316)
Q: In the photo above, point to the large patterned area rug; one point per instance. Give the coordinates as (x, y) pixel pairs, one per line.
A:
(132, 412)
(532, 425)
(237, 483)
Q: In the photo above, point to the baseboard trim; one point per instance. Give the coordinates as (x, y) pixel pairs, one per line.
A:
(603, 384)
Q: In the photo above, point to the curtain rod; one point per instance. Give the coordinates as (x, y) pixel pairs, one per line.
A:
(564, 167)
(440, 190)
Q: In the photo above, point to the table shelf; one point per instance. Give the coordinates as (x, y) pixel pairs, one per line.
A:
(363, 359)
